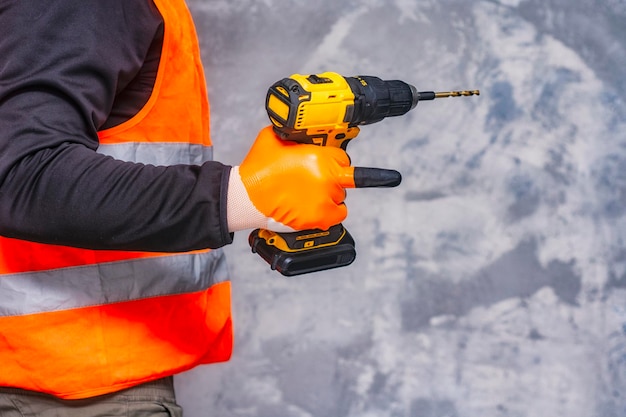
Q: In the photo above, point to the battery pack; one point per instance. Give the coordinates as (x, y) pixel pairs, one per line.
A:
(304, 261)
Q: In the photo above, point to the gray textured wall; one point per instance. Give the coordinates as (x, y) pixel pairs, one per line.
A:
(492, 281)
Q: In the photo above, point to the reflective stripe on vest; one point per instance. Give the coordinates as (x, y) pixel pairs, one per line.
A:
(159, 153)
(77, 323)
(84, 286)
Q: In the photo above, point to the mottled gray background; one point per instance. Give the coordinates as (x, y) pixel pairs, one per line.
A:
(492, 282)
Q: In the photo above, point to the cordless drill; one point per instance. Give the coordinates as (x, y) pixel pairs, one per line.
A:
(326, 109)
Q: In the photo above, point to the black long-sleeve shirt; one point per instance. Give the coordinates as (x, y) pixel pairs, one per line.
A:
(67, 69)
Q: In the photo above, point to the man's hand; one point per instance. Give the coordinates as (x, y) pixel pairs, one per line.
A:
(286, 186)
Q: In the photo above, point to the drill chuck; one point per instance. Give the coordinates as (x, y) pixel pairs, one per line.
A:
(375, 99)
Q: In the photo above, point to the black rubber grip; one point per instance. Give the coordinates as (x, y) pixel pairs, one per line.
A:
(376, 177)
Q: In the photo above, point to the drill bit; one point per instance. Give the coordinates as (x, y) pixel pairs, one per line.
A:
(457, 93)
(431, 95)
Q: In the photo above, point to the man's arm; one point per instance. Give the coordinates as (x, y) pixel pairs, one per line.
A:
(63, 63)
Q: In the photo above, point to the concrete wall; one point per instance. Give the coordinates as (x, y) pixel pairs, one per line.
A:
(492, 281)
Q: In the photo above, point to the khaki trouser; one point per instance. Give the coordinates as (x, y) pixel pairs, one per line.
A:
(153, 399)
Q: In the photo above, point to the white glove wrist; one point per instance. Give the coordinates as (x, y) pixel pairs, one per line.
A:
(241, 212)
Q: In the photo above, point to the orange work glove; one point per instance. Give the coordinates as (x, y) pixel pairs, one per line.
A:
(286, 186)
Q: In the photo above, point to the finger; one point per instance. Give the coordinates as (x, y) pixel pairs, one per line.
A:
(337, 216)
(376, 177)
(339, 195)
(346, 177)
(339, 155)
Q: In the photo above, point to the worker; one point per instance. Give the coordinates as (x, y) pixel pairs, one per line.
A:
(112, 211)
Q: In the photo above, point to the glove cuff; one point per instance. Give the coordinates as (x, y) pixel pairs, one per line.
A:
(241, 212)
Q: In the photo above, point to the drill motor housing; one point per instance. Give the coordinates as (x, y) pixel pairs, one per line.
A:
(326, 109)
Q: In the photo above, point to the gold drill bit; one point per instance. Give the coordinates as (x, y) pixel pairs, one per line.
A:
(457, 93)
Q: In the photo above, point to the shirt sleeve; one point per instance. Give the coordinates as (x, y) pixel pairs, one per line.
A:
(62, 64)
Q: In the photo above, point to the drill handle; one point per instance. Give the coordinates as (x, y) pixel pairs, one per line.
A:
(336, 138)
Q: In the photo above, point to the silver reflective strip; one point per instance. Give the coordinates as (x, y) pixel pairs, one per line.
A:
(75, 287)
(159, 153)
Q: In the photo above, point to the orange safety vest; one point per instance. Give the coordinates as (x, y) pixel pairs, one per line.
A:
(78, 323)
